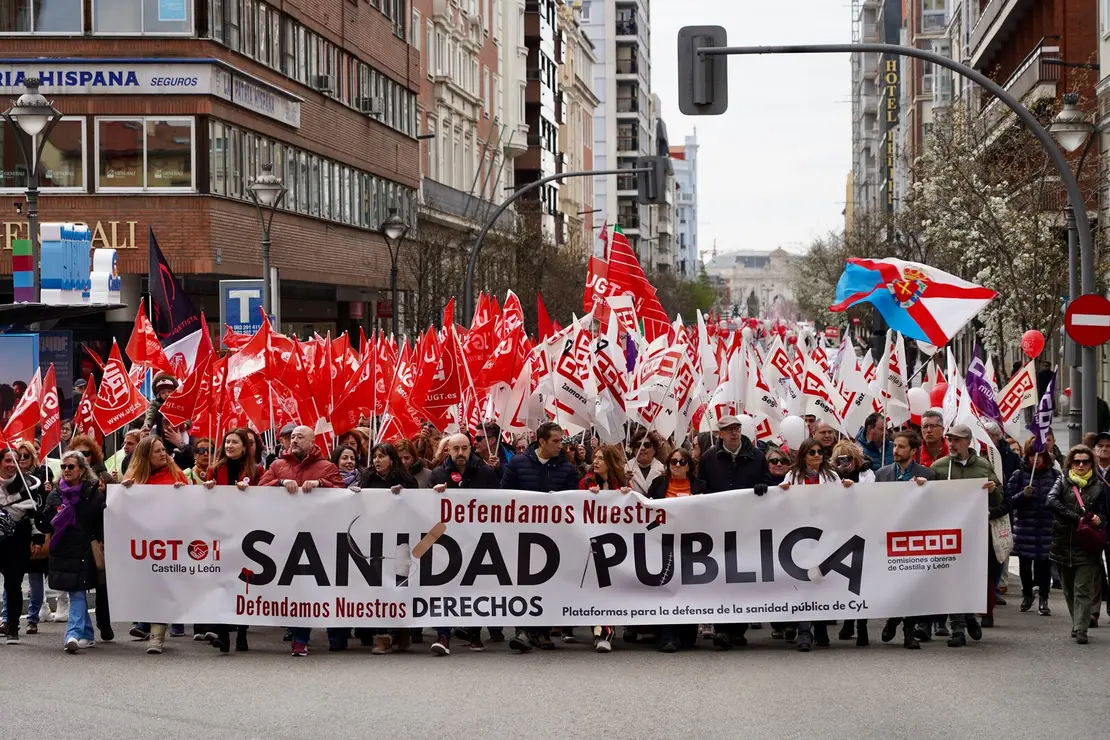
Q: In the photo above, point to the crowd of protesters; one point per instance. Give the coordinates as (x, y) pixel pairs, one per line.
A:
(51, 528)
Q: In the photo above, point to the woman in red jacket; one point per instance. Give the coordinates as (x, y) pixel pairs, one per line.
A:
(151, 465)
(235, 466)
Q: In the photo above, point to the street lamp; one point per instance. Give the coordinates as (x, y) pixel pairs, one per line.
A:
(36, 117)
(267, 191)
(394, 230)
(1072, 130)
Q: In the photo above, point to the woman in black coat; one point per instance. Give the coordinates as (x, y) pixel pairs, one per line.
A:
(79, 521)
(1027, 497)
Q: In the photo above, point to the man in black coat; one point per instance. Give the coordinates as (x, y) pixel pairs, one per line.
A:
(463, 469)
(543, 468)
(732, 464)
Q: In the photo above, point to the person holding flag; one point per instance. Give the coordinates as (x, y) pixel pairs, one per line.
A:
(963, 463)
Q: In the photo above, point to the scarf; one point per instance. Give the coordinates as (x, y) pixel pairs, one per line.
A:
(1080, 480)
(349, 478)
(67, 512)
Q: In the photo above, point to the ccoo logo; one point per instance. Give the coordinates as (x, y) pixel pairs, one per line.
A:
(924, 542)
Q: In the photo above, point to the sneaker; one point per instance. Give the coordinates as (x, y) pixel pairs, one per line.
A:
(72, 646)
(602, 646)
(974, 629)
(460, 634)
(300, 649)
(210, 636)
(288, 636)
(568, 635)
(442, 646)
(202, 637)
(923, 633)
(941, 629)
(721, 641)
(12, 640)
(3, 628)
(1073, 633)
(32, 629)
(545, 642)
(1081, 638)
(139, 634)
(86, 644)
(520, 643)
(44, 612)
(496, 635)
(62, 615)
(957, 640)
(177, 632)
(1042, 608)
(910, 643)
(476, 646)
(1026, 603)
(805, 642)
(154, 649)
(670, 647)
(107, 634)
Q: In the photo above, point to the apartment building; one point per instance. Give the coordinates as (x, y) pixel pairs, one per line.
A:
(684, 158)
(576, 104)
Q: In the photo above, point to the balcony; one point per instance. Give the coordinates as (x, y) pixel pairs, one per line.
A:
(627, 67)
(630, 144)
(626, 183)
(447, 200)
(997, 21)
(629, 221)
(1035, 78)
(627, 28)
(628, 105)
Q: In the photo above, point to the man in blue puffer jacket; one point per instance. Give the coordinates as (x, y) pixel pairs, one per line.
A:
(545, 469)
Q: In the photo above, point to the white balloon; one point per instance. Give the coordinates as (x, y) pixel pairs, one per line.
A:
(747, 426)
(793, 430)
(747, 333)
(919, 400)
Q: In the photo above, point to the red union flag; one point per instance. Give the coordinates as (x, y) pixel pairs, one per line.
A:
(83, 421)
(27, 414)
(50, 413)
(1019, 393)
(119, 402)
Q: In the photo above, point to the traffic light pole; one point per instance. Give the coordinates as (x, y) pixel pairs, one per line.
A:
(700, 91)
(472, 260)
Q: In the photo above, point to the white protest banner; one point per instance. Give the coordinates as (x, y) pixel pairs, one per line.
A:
(334, 557)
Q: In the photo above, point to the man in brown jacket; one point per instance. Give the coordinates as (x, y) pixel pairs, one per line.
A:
(302, 468)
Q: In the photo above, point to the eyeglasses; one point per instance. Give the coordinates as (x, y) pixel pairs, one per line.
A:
(815, 453)
(25, 456)
(478, 440)
(1081, 461)
(777, 461)
(202, 450)
(843, 459)
(68, 466)
(679, 462)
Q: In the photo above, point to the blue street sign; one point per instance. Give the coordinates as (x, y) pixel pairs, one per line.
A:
(241, 305)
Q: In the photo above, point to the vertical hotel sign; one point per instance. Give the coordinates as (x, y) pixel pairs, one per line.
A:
(890, 108)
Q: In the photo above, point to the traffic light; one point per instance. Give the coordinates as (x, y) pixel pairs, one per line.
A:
(651, 186)
(702, 79)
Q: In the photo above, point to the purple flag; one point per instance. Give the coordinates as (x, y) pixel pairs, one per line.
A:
(1042, 417)
(174, 315)
(979, 388)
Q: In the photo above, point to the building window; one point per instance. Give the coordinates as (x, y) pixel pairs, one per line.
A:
(487, 92)
(414, 29)
(170, 17)
(63, 158)
(42, 16)
(145, 154)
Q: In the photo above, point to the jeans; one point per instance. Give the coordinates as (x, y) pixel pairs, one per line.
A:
(37, 583)
(1079, 591)
(80, 625)
(1035, 572)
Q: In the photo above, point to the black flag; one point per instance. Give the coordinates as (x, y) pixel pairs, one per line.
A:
(173, 315)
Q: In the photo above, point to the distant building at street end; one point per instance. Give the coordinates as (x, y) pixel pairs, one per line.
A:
(685, 161)
(757, 282)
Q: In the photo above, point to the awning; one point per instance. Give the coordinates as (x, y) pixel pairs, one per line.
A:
(25, 314)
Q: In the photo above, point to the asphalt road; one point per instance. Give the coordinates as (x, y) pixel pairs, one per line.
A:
(1026, 679)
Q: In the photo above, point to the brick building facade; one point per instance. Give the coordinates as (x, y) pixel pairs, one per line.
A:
(168, 119)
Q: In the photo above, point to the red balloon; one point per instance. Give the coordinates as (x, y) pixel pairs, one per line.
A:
(1032, 343)
(791, 339)
(936, 396)
(1067, 391)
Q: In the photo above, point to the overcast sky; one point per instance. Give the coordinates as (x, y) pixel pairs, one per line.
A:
(772, 170)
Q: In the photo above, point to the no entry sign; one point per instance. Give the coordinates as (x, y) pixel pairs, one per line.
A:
(1088, 320)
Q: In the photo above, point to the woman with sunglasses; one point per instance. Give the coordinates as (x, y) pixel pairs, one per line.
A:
(850, 464)
(202, 461)
(78, 522)
(778, 464)
(152, 465)
(94, 457)
(1077, 497)
(680, 478)
(20, 495)
(810, 468)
